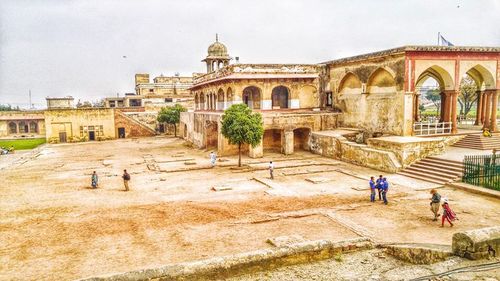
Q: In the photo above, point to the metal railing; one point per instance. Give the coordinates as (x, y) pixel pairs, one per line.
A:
(431, 128)
(482, 170)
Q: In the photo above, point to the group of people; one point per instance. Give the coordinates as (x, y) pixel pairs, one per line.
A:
(448, 215)
(382, 186)
(95, 180)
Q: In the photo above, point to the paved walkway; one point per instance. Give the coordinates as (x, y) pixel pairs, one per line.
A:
(458, 153)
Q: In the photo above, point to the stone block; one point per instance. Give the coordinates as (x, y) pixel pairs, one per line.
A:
(419, 253)
(285, 241)
(477, 243)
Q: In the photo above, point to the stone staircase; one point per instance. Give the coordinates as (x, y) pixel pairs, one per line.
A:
(479, 142)
(435, 170)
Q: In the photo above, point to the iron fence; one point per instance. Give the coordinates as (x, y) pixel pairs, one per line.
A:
(482, 170)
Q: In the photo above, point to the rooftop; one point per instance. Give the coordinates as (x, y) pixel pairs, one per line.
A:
(416, 48)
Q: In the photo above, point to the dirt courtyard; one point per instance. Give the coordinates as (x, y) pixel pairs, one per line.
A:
(54, 227)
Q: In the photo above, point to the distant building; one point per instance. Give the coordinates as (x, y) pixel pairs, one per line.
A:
(63, 102)
(164, 91)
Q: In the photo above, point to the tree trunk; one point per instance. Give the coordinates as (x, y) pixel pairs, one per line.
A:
(175, 130)
(239, 154)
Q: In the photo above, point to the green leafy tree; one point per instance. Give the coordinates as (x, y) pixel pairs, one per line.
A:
(434, 96)
(468, 96)
(240, 125)
(8, 107)
(171, 115)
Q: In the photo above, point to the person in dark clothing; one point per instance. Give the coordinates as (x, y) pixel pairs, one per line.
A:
(378, 185)
(372, 189)
(385, 189)
(126, 179)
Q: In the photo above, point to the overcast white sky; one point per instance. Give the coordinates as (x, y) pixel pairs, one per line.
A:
(76, 47)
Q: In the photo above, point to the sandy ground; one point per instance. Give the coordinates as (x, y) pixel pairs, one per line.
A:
(54, 227)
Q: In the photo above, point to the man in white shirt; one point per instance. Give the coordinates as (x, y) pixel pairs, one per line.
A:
(271, 169)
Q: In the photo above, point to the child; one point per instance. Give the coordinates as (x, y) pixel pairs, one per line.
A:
(448, 214)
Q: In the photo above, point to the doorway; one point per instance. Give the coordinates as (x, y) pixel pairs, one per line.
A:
(121, 133)
(62, 137)
(91, 135)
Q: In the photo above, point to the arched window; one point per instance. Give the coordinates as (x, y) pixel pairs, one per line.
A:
(12, 128)
(251, 97)
(280, 96)
(23, 127)
(33, 127)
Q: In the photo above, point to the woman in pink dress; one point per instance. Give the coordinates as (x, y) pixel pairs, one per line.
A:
(448, 214)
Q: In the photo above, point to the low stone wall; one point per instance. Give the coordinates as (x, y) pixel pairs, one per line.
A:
(338, 147)
(477, 243)
(419, 253)
(389, 154)
(408, 150)
(224, 267)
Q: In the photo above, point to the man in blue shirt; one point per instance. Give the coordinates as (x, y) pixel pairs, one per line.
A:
(385, 188)
(379, 186)
(373, 186)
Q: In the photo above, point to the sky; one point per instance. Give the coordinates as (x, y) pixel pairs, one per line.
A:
(91, 49)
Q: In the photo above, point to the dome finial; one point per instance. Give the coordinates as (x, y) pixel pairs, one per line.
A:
(216, 37)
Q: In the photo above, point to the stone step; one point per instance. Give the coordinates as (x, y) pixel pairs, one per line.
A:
(444, 160)
(438, 167)
(429, 177)
(423, 178)
(435, 171)
(441, 163)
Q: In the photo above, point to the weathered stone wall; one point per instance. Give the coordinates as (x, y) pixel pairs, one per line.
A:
(338, 147)
(419, 253)
(196, 127)
(409, 149)
(70, 121)
(19, 116)
(371, 95)
(221, 268)
(477, 243)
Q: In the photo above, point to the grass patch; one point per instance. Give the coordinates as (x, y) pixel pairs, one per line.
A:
(22, 143)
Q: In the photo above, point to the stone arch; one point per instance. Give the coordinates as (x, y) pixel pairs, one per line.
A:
(482, 76)
(33, 127)
(280, 97)
(220, 99)
(272, 139)
(229, 97)
(301, 138)
(381, 81)
(202, 101)
(23, 127)
(196, 101)
(350, 84)
(252, 97)
(12, 128)
(443, 77)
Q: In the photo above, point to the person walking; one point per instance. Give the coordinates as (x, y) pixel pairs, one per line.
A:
(213, 158)
(271, 169)
(95, 180)
(126, 179)
(385, 189)
(448, 214)
(373, 186)
(435, 200)
(378, 185)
